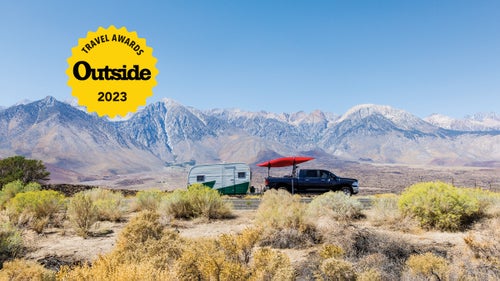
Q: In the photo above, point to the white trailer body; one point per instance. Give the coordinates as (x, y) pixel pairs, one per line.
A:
(227, 178)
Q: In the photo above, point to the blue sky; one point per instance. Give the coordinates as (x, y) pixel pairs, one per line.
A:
(279, 56)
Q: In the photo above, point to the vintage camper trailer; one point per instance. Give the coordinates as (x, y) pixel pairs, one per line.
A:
(227, 178)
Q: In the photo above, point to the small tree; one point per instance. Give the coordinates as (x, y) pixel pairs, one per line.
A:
(19, 168)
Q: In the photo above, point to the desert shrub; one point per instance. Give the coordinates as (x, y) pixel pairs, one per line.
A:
(280, 210)
(238, 248)
(35, 208)
(375, 267)
(427, 266)
(482, 259)
(205, 259)
(106, 268)
(439, 205)
(197, 201)
(336, 269)
(111, 205)
(148, 200)
(144, 251)
(11, 189)
(385, 207)
(489, 201)
(283, 218)
(371, 274)
(381, 250)
(11, 241)
(145, 238)
(335, 206)
(20, 270)
(331, 251)
(269, 264)
(82, 213)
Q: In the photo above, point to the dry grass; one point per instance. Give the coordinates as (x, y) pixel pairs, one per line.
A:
(197, 201)
(284, 220)
(369, 248)
(23, 270)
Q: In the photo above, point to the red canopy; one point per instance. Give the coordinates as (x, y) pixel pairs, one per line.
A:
(285, 161)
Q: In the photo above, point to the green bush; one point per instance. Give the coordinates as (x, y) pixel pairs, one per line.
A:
(197, 201)
(440, 205)
(148, 200)
(35, 208)
(19, 168)
(335, 206)
(82, 213)
(11, 242)
(111, 205)
(11, 189)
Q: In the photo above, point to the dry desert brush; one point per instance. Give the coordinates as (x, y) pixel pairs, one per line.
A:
(335, 206)
(82, 213)
(148, 199)
(283, 218)
(111, 205)
(11, 241)
(197, 201)
(20, 269)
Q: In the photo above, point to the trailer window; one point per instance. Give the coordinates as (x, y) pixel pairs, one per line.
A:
(200, 178)
(242, 175)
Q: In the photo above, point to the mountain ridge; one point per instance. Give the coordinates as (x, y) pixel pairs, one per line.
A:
(168, 133)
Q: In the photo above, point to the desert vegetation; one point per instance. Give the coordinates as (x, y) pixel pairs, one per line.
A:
(431, 231)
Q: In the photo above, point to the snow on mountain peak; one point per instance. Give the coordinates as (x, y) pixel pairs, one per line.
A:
(364, 110)
(476, 122)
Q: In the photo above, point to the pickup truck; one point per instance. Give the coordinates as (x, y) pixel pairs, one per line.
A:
(313, 181)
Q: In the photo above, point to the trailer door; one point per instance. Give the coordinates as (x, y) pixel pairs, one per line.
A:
(228, 179)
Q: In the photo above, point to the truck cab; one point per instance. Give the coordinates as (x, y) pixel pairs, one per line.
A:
(314, 181)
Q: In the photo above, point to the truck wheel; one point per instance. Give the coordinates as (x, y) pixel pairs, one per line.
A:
(347, 191)
(284, 188)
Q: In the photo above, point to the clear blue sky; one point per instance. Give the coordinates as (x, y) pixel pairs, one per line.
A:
(278, 56)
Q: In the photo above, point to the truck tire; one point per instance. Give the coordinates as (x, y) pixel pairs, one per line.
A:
(284, 188)
(347, 190)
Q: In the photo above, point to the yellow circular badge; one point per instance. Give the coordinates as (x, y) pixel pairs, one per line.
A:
(112, 71)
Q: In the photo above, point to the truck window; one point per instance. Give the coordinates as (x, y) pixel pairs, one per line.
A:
(311, 174)
(242, 175)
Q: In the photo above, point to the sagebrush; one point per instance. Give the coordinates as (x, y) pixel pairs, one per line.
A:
(440, 205)
(197, 201)
(36, 209)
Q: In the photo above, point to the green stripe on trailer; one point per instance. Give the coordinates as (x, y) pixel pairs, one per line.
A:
(241, 188)
(209, 184)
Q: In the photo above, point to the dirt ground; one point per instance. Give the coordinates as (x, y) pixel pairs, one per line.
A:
(61, 246)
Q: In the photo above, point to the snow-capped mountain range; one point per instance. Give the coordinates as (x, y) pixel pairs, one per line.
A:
(167, 133)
